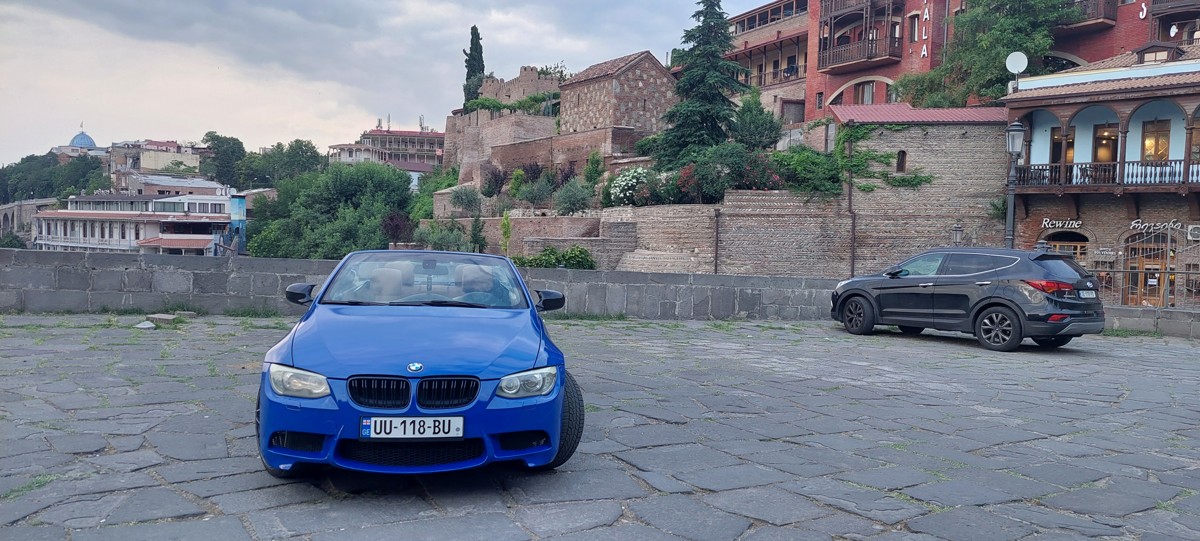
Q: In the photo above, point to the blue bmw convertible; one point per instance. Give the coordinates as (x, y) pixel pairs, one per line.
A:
(417, 362)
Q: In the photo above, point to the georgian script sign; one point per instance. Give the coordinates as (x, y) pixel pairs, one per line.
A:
(1048, 223)
(1146, 227)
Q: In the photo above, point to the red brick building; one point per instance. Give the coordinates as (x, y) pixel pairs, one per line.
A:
(807, 54)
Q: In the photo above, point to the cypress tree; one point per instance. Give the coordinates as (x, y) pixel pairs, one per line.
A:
(475, 68)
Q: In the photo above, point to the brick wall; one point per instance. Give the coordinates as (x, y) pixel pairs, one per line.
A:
(1104, 219)
(637, 97)
(526, 83)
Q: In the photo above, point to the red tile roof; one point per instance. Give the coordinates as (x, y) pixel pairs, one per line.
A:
(903, 113)
(603, 69)
(186, 244)
(1125, 60)
(1117, 85)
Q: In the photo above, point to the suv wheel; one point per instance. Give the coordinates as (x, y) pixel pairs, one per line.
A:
(1051, 342)
(998, 329)
(857, 316)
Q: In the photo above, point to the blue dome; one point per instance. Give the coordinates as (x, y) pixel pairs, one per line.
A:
(82, 139)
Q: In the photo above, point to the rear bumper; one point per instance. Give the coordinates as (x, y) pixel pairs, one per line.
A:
(1071, 327)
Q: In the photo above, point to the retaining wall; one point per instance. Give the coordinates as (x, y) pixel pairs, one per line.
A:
(43, 281)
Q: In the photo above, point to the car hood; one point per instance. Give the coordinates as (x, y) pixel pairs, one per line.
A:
(343, 341)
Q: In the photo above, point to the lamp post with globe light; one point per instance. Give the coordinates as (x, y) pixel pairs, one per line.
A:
(1014, 137)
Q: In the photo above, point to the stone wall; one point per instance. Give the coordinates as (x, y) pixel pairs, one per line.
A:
(616, 239)
(17, 217)
(636, 96)
(40, 281)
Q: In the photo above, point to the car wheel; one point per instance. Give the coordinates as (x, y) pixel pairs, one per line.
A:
(297, 469)
(911, 330)
(571, 430)
(857, 316)
(998, 329)
(1051, 342)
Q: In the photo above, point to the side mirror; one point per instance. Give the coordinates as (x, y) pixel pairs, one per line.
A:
(299, 293)
(895, 272)
(550, 300)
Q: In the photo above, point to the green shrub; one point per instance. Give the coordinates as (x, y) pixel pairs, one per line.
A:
(594, 168)
(623, 189)
(537, 192)
(466, 198)
(805, 170)
(575, 257)
(516, 184)
(647, 145)
(442, 235)
(573, 197)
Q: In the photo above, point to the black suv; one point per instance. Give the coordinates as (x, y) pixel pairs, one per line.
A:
(1001, 296)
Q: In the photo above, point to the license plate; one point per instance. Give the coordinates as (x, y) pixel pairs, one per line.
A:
(381, 428)
(1087, 294)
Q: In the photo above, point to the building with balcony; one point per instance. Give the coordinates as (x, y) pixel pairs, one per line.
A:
(155, 224)
(808, 54)
(415, 152)
(1110, 169)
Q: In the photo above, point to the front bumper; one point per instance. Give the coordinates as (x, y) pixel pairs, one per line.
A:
(326, 431)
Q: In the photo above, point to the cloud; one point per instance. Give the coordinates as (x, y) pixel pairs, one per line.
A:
(277, 70)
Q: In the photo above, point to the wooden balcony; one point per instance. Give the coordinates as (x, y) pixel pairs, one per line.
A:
(776, 77)
(1163, 7)
(1166, 176)
(831, 8)
(859, 55)
(1088, 16)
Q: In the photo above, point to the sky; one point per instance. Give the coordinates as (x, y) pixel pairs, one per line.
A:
(276, 70)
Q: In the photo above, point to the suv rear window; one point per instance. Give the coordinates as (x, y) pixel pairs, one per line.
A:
(1061, 267)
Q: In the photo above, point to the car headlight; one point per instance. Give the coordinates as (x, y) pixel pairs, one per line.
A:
(288, 381)
(532, 383)
(840, 284)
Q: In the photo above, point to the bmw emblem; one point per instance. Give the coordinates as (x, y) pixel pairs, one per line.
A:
(415, 367)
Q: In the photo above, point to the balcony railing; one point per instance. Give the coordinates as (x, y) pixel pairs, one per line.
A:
(1160, 6)
(1146, 173)
(1087, 10)
(830, 8)
(774, 77)
(868, 49)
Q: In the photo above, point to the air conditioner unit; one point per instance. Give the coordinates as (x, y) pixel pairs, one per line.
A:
(1194, 232)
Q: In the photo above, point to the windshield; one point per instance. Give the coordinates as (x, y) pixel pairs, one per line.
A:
(425, 279)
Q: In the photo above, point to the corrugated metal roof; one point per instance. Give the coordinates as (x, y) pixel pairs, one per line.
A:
(182, 182)
(186, 244)
(1116, 85)
(903, 113)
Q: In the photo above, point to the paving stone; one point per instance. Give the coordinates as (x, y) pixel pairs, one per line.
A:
(729, 477)
(232, 483)
(958, 492)
(562, 518)
(685, 517)
(1063, 475)
(677, 458)
(189, 446)
(573, 486)
(336, 515)
(127, 462)
(775, 533)
(35, 533)
(651, 435)
(207, 469)
(842, 524)
(153, 504)
(1007, 483)
(888, 478)
(970, 524)
(1053, 520)
(871, 504)
(663, 483)
(1104, 501)
(1149, 462)
(222, 528)
(770, 504)
(78, 443)
(1000, 435)
(623, 532)
(266, 498)
(482, 527)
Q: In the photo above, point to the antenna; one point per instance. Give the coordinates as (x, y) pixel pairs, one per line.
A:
(389, 122)
(378, 123)
(421, 122)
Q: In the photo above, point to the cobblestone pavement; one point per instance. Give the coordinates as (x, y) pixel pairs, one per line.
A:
(695, 430)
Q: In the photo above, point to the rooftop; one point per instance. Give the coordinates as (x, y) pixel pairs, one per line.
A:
(903, 113)
(604, 69)
(405, 133)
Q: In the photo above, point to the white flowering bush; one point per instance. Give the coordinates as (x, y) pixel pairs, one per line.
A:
(625, 187)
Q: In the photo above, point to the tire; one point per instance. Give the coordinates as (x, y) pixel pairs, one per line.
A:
(998, 329)
(1052, 342)
(571, 430)
(905, 329)
(297, 469)
(858, 316)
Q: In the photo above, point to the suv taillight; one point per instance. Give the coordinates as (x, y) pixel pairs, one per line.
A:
(1050, 286)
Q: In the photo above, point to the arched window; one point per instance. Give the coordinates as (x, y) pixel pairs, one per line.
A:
(901, 161)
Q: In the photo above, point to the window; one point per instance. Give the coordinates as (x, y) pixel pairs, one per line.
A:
(901, 161)
(864, 93)
(925, 265)
(830, 136)
(893, 95)
(1154, 56)
(1156, 139)
(820, 100)
(963, 264)
(218, 208)
(913, 26)
(122, 231)
(896, 32)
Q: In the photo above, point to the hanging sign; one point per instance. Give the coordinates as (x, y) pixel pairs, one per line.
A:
(1048, 223)
(925, 31)
(1154, 227)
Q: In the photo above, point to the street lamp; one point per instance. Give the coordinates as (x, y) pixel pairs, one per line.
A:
(956, 233)
(1014, 137)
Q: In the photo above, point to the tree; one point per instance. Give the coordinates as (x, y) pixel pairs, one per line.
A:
(754, 126)
(421, 205)
(594, 169)
(505, 232)
(474, 63)
(706, 82)
(227, 152)
(558, 71)
(11, 240)
(466, 198)
(984, 35)
(573, 197)
(479, 241)
(42, 176)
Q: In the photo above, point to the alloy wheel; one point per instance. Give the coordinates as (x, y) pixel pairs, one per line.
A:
(997, 328)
